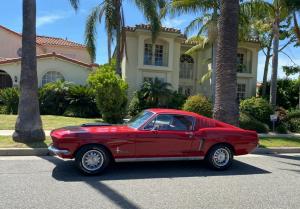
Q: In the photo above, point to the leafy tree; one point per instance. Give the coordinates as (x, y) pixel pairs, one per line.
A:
(292, 70)
(29, 124)
(198, 104)
(115, 22)
(294, 6)
(111, 93)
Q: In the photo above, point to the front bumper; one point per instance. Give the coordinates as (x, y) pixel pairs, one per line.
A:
(57, 151)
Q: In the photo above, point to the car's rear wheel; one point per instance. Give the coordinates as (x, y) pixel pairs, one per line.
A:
(92, 159)
(220, 157)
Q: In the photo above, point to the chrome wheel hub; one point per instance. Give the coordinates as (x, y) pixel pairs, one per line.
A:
(221, 157)
(92, 160)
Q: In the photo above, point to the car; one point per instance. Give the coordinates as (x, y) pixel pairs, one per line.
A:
(153, 135)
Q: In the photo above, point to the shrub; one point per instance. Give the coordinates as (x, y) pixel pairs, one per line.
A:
(9, 100)
(111, 96)
(293, 121)
(176, 100)
(52, 97)
(281, 128)
(250, 123)
(258, 108)
(81, 102)
(198, 104)
(135, 105)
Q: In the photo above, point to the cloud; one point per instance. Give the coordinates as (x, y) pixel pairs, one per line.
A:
(48, 19)
(173, 23)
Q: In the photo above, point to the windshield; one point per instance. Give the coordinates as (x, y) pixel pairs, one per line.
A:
(140, 119)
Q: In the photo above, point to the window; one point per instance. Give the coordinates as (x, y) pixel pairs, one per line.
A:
(151, 79)
(186, 67)
(241, 91)
(148, 54)
(166, 122)
(140, 119)
(240, 63)
(5, 80)
(160, 53)
(51, 76)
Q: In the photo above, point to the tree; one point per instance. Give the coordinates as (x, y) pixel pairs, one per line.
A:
(226, 106)
(292, 70)
(294, 6)
(114, 22)
(29, 124)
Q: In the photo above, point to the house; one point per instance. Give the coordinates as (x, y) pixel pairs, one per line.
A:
(56, 59)
(167, 61)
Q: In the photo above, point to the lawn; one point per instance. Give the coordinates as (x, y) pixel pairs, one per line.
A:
(7, 142)
(279, 142)
(7, 122)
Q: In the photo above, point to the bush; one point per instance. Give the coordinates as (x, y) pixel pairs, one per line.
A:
(9, 100)
(176, 100)
(135, 105)
(250, 123)
(293, 121)
(81, 102)
(281, 128)
(111, 96)
(258, 108)
(198, 104)
(52, 97)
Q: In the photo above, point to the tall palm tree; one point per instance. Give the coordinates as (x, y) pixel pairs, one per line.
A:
(115, 21)
(226, 106)
(294, 6)
(278, 10)
(29, 124)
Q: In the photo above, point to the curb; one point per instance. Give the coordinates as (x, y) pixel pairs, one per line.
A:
(24, 152)
(45, 152)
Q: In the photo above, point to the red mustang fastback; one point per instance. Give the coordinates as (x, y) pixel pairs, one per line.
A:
(153, 135)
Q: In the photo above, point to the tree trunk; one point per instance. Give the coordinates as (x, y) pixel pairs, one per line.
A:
(297, 29)
(226, 105)
(273, 89)
(118, 36)
(29, 124)
(266, 68)
(109, 47)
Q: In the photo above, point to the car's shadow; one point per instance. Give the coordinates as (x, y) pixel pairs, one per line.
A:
(66, 170)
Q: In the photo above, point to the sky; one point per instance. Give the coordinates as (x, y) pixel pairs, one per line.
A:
(57, 18)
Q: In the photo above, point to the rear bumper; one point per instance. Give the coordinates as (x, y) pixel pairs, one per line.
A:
(57, 151)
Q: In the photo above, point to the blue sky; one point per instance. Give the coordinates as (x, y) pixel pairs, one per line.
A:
(57, 18)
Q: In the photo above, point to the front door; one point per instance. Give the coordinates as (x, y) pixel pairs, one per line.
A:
(166, 135)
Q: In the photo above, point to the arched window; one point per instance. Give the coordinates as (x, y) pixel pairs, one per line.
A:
(5, 80)
(186, 67)
(52, 76)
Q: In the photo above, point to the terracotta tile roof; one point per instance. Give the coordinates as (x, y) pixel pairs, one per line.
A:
(46, 40)
(148, 27)
(59, 56)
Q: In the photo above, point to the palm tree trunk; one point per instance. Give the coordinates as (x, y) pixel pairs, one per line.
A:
(273, 89)
(297, 29)
(109, 37)
(266, 68)
(226, 105)
(29, 124)
(118, 36)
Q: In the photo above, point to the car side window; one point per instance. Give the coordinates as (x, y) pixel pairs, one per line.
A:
(166, 122)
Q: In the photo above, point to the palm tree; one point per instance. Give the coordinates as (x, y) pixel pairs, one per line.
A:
(294, 6)
(29, 124)
(278, 10)
(114, 22)
(226, 106)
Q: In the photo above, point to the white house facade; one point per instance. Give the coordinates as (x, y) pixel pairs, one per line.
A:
(166, 60)
(56, 59)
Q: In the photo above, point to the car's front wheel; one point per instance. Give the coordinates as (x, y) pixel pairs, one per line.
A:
(92, 159)
(220, 157)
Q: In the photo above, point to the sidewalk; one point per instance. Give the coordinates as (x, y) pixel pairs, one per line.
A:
(10, 132)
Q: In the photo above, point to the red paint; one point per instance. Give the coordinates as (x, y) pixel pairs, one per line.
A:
(126, 142)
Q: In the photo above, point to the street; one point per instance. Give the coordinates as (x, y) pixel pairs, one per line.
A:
(254, 181)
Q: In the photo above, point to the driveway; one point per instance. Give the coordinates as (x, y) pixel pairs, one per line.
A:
(254, 181)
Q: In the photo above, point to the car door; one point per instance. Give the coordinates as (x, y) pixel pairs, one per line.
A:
(167, 135)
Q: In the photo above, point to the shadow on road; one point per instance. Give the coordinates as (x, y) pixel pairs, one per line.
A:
(66, 170)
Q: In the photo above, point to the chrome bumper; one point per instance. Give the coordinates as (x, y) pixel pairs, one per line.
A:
(57, 151)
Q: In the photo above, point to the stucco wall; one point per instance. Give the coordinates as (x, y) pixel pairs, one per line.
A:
(71, 72)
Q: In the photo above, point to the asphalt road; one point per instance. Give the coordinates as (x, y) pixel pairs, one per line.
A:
(253, 182)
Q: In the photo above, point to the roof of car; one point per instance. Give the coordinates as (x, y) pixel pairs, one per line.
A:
(173, 111)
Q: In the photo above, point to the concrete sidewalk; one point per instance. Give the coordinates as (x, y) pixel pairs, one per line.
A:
(10, 132)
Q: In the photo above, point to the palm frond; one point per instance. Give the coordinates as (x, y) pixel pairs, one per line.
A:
(200, 41)
(205, 77)
(179, 7)
(75, 4)
(195, 24)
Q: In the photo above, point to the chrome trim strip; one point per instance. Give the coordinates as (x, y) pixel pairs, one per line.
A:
(153, 159)
(56, 151)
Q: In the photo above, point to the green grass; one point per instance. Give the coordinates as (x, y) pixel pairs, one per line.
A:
(7, 142)
(279, 142)
(50, 122)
